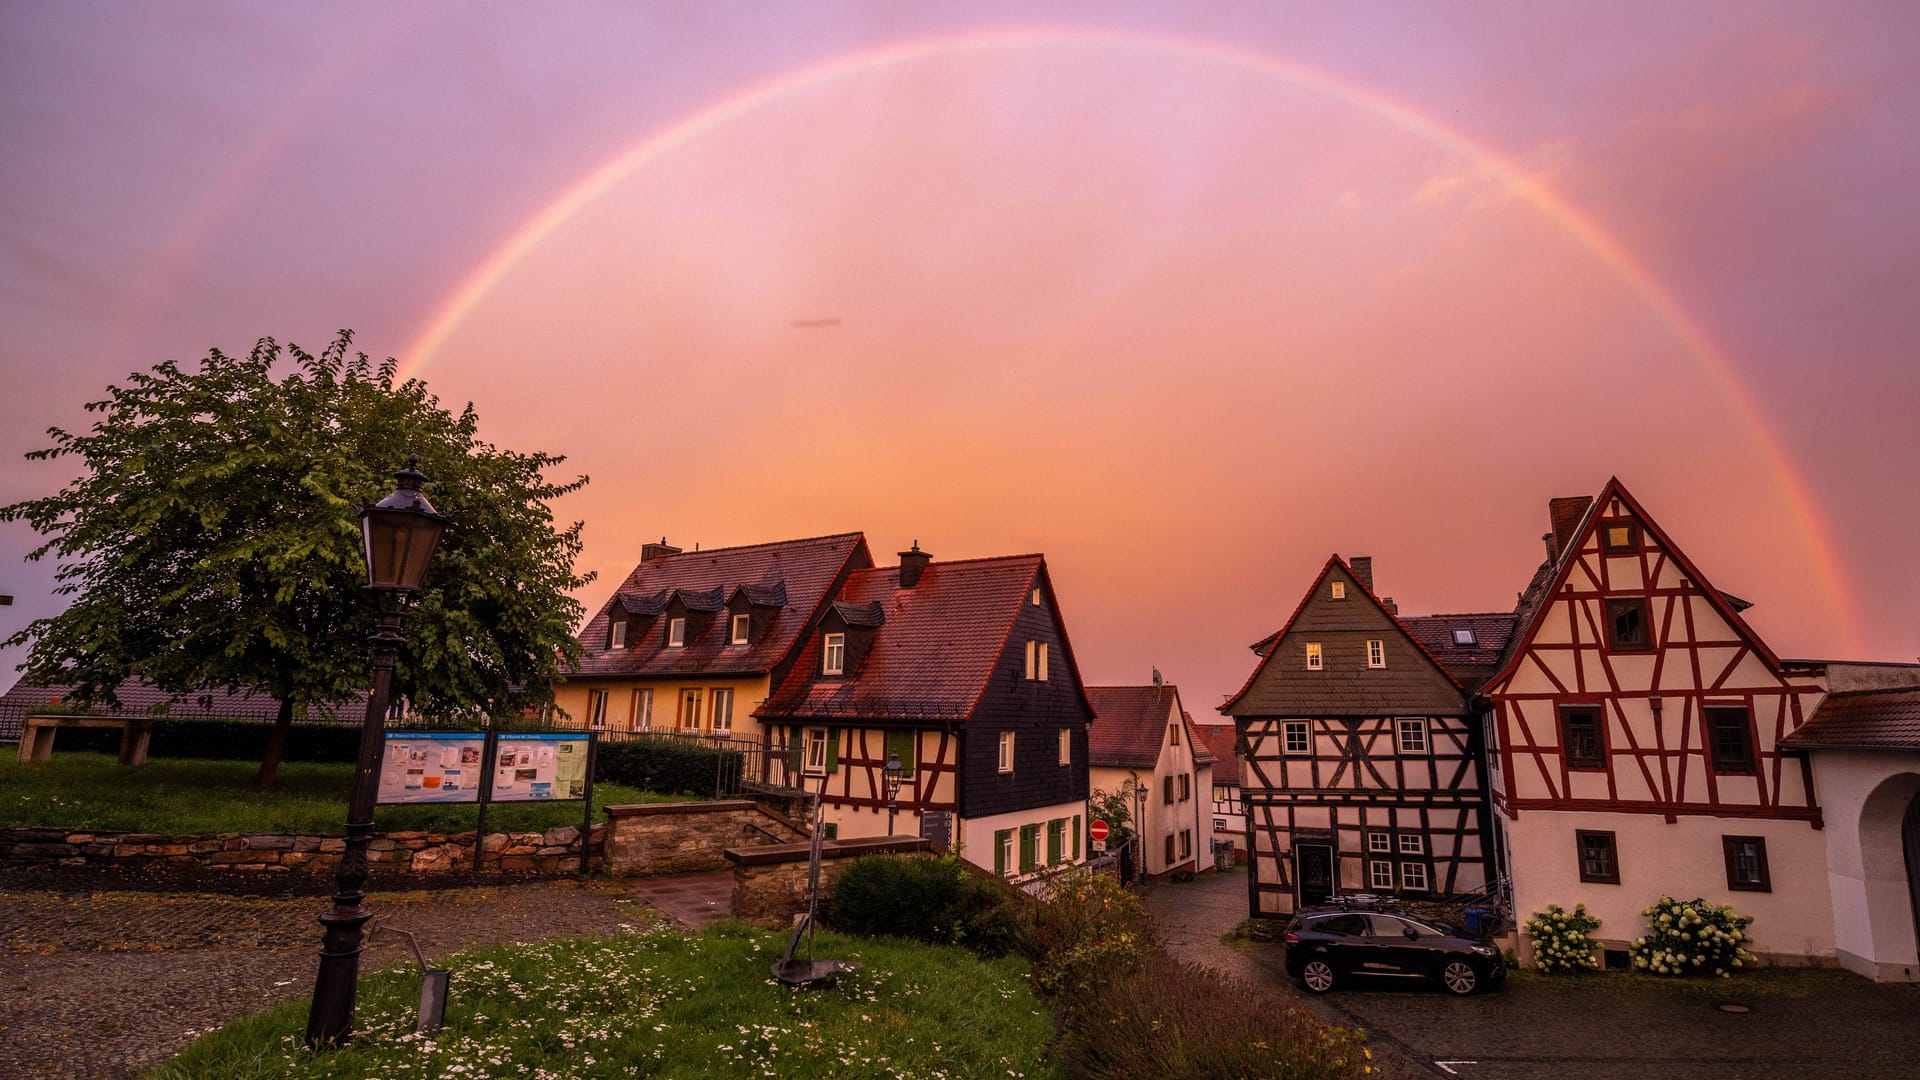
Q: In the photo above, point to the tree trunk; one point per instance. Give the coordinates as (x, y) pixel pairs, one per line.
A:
(276, 745)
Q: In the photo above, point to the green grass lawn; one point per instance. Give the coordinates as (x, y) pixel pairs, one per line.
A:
(183, 795)
(662, 1003)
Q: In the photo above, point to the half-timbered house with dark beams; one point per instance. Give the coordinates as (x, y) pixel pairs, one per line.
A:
(692, 642)
(1637, 729)
(1363, 760)
(964, 672)
(1229, 814)
(1142, 736)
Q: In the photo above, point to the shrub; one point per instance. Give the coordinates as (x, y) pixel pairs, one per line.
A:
(215, 739)
(1691, 937)
(667, 765)
(931, 898)
(1562, 941)
(1088, 931)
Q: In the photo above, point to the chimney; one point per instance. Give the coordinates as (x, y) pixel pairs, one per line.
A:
(1566, 514)
(1362, 567)
(651, 552)
(912, 564)
(1392, 608)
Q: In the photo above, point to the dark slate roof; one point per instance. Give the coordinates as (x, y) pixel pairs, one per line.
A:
(869, 614)
(1865, 720)
(773, 596)
(936, 654)
(1130, 726)
(1219, 741)
(799, 572)
(140, 698)
(1470, 665)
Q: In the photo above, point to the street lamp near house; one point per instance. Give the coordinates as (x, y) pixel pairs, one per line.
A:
(892, 773)
(1140, 793)
(400, 533)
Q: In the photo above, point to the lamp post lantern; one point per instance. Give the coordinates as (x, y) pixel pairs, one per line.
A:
(1140, 829)
(400, 533)
(892, 772)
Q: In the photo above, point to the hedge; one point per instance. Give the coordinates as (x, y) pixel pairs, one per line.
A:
(670, 766)
(225, 740)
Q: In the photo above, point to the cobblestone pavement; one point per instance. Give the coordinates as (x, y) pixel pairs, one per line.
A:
(1798, 1023)
(103, 985)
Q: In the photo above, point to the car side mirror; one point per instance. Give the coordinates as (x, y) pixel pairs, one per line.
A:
(1412, 934)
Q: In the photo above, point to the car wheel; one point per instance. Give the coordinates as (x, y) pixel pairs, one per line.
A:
(1318, 975)
(1458, 977)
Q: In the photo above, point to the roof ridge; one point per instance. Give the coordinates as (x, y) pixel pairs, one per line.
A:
(1132, 686)
(761, 544)
(1461, 615)
(958, 562)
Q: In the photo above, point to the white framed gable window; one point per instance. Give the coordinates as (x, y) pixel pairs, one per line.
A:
(834, 662)
(1006, 751)
(1037, 661)
(741, 625)
(1066, 746)
(1339, 590)
(1380, 874)
(1379, 843)
(1376, 653)
(676, 633)
(617, 638)
(1412, 844)
(1314, 659)
(1296, 736)
(1412, 732)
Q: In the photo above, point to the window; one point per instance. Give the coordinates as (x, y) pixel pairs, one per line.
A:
(1076, 838)
(1313, 656)
(1413, 876)
(1729, 738)
(1339, 590)
(642, 710)
(689, 719)
(1580, 737)
(1219, 824)
(721, 710)
(1167, 790)
(1294, 736)
(1029, 848)
(1186, 843)
(1597, 860)
(816, 751)
(835, 660)
(1379, 842)
(676, 633)
(1186, 786)
(1066, 746)
(1376, 653)
(1464, 636)
(1056, 841)
(617, 636)
(1620, 537)
(1170, 855)
(1037, 661)
(1747, 863)
(1412, 844)
(596, 709)
(1003, 851)
(1036, 598)
(742, 627)
(1413, 735)
(1379, 874)
(830, 830)
(1006, 751)
(1629, 626)
(1173, 734)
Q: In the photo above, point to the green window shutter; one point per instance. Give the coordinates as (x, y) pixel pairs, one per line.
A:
(1076, 838)
(1000, 852)
(1056, 840)
(903, 743)
(833, 749)
(1029, 848)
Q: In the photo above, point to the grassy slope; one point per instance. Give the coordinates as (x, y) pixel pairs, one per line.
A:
(179, 796)
(664, 1004)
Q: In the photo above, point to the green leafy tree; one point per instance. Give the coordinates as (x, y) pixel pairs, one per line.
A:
(1116, 809)
(212, 542)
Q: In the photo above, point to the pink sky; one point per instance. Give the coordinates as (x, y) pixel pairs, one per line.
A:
(1185, 300)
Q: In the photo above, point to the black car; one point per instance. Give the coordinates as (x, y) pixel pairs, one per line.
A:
(1327, 945)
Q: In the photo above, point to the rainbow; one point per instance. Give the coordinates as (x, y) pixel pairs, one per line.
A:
(1692, 336)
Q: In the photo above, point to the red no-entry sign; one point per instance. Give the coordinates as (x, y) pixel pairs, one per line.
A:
(1098, 830)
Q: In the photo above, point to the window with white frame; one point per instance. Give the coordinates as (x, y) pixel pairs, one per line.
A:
(1339, 590)
(1380, 874)
(1413, 876)
(816, 758)
(689, 709)
(596, 709)
(1004, 860)
(1037, 661)
(617, 639)
(1036, 598)
(1413, 735)
(1066, 746)
(1006, 751)
(834, 662)
(1296, 736)
(1379, 842)
(676, 633)
(1464, 636)
(742, 626)
(1376, 653)
(1314, 660)
(642, 709)
(720, 710)
(1412, 844)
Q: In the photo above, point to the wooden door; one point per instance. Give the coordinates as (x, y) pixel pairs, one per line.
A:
(1313, 869)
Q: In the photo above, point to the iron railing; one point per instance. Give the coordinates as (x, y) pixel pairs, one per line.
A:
(742, 766)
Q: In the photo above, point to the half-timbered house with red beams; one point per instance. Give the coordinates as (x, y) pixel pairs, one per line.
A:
(1637, 727)
(1363, 760)
(964, 672)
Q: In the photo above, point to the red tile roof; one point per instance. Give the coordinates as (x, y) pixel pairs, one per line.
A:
(1865, 720)
(1130, 726)
(1219, 741)
(1471, 664)
(140, 698)
(932, 656)
(796, 573)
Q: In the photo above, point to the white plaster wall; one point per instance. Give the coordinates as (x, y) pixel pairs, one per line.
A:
(1682, 860)
(1864, 794)
(976, 834)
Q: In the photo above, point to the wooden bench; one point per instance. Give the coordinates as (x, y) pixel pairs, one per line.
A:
(36, 737)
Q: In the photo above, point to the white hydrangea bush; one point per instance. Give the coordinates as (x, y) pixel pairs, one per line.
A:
(1562, 939)
(1693, 937)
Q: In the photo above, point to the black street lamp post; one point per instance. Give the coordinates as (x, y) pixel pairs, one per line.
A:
(400, 532)
(894, 772)
(1140, 793)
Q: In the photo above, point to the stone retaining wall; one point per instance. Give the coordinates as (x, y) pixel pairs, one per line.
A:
(688, 837)
(770, 882)
(553, 851)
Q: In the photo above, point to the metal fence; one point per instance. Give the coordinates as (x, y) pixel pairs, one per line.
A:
(742, 767)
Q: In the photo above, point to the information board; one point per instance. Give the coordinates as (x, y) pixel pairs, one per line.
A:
(432, 767)
(539, 766)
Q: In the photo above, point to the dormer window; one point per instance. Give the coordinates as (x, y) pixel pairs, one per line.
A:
(1339, 590)
(835, 660)
(742, 624)
(617, 638)
(1314, 660)
(676, 633)
(1464, 637)
(1376, 653)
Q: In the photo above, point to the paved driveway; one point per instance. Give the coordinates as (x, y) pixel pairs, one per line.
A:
(1798, 1023)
